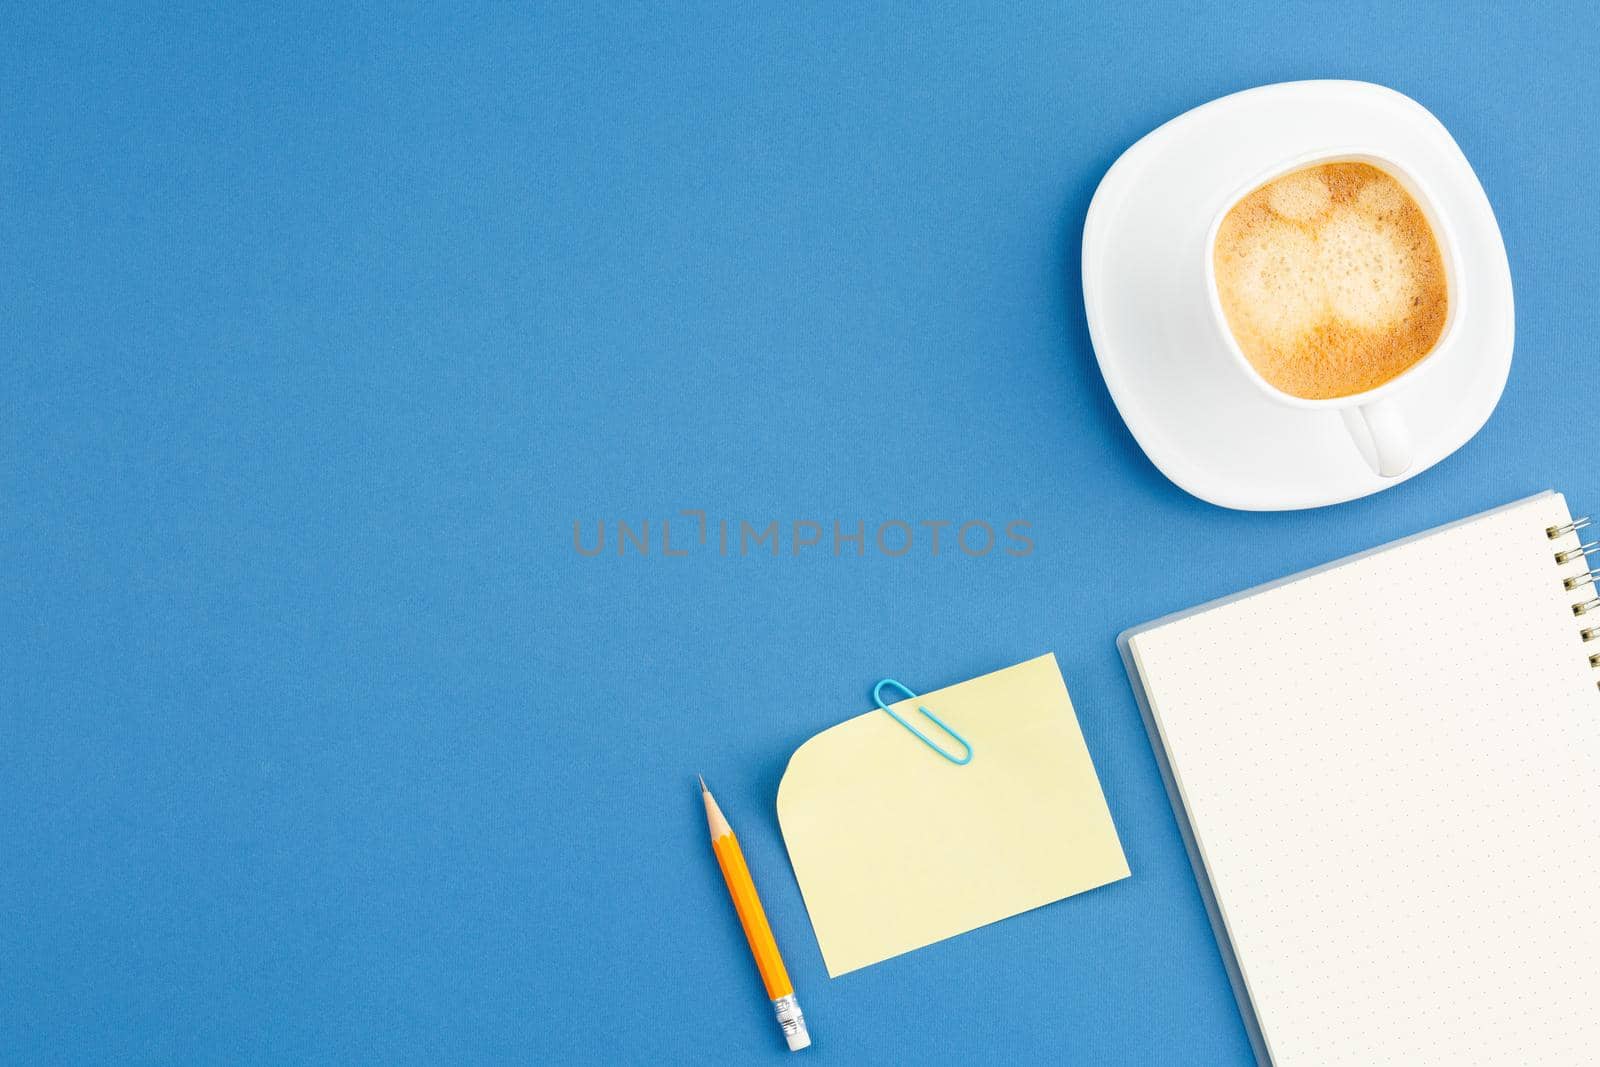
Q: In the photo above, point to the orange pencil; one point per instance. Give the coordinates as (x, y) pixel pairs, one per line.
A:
(754, 921)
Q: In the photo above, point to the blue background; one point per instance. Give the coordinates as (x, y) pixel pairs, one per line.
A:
(321, 743)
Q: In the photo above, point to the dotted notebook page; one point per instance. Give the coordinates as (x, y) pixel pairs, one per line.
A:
(1392, 770)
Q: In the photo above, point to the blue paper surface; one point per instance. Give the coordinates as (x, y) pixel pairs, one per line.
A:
(322, 739)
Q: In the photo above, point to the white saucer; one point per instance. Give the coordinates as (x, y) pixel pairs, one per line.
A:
(1197, 417)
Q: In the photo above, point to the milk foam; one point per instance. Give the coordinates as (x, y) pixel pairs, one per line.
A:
(1331, 280)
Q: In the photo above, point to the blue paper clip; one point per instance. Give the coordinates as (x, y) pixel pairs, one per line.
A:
(877, 697)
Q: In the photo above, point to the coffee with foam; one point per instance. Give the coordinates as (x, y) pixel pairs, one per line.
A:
(1331, 280)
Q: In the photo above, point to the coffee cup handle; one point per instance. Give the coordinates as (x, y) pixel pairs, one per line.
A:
(1385, 429)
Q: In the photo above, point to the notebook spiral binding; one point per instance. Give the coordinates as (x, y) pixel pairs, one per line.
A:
(1586, 577)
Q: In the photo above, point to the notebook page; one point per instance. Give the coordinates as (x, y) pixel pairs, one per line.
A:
(1392, 771)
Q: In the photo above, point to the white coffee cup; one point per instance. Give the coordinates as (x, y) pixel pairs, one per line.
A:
(1373, 418)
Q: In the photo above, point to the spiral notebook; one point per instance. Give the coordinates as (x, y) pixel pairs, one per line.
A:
(1387, 773)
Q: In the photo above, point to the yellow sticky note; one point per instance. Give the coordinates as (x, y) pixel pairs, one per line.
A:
(896, 848)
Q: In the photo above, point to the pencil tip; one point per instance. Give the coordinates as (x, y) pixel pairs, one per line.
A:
(703, 788)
